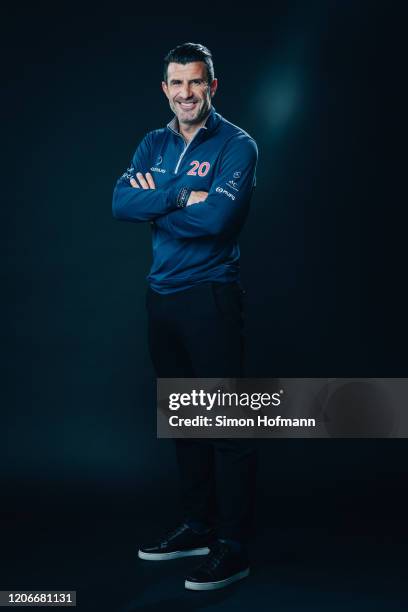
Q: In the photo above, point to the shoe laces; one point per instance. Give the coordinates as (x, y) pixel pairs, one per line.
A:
(215, 557)
(172, 533)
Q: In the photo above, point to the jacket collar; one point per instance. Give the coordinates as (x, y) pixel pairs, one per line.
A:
(210, 124)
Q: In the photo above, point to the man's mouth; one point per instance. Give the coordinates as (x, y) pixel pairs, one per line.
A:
(187, 105)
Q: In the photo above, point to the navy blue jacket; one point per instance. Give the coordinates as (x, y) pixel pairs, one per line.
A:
(197, 243)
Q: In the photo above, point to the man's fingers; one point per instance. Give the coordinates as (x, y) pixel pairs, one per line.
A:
(150, 180)
(142, 180)
(146, 183)
(196, 197)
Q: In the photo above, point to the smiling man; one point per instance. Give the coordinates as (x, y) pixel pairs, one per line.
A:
(189, 93)
(193, 181)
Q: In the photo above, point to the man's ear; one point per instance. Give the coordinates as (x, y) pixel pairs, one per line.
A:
(213, 87)
(165, 89)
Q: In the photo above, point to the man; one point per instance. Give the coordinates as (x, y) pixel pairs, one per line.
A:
(193, 181)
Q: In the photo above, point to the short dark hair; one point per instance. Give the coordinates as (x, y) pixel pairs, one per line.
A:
(187, 53)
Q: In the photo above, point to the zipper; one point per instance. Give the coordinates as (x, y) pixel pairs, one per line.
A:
(203, 127)
(185, 148)
(181, 156)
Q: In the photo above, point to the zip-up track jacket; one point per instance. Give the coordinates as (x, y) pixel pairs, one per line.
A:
(197, 243)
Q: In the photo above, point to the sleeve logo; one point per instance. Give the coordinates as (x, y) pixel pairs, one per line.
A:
(130, 173)
(225, 192)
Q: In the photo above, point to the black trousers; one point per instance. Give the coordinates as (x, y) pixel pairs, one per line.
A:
(198, 333)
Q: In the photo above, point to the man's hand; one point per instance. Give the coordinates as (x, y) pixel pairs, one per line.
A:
(146, 183)
(197, 196)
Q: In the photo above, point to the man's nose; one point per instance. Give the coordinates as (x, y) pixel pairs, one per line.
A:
(186, 90)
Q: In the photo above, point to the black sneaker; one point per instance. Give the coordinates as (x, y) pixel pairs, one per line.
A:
(180, 542)
(222, 567)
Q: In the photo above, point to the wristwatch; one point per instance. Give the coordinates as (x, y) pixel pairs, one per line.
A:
(183, 196)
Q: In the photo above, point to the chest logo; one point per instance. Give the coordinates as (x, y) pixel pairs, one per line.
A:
(199, 168)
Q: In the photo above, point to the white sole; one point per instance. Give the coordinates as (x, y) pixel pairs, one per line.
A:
(173, 555)
(210, 586)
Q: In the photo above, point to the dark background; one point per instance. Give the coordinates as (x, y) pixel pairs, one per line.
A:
(84, 479)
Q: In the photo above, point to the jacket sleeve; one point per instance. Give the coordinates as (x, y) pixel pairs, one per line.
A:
(137, 205)
(228, 199)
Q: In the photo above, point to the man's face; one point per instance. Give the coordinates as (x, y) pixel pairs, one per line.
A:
(188, 91)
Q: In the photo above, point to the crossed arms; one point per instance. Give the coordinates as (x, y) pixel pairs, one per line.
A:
(212, 213)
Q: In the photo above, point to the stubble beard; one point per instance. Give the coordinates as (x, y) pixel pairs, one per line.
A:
(201, 114)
